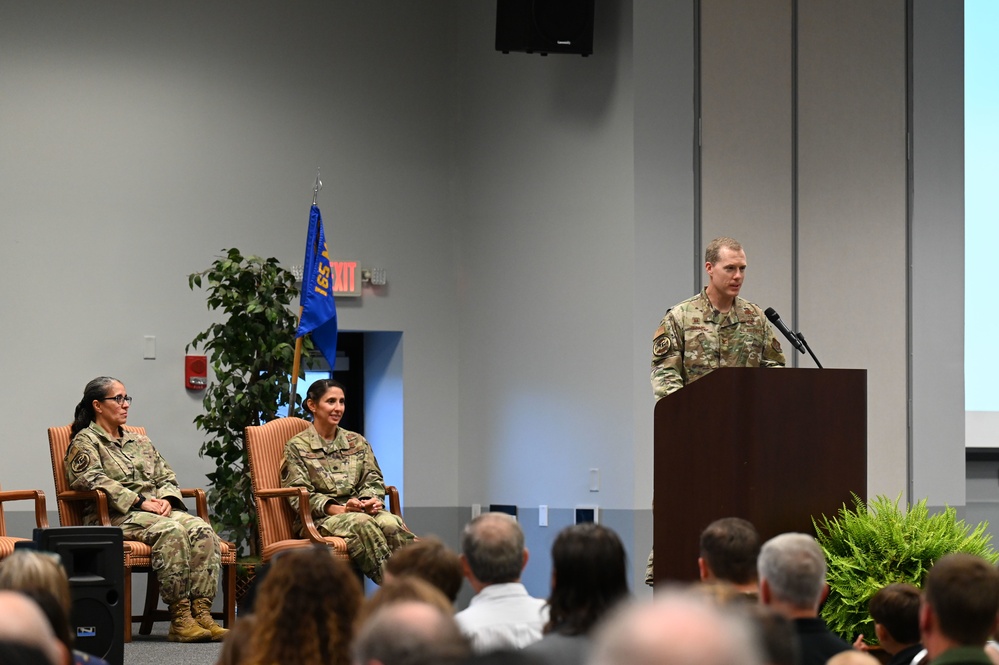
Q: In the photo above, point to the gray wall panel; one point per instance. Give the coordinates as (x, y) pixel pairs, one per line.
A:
(852, 209)
(746, 134)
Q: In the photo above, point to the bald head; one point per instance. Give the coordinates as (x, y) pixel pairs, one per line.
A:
(676, 629)
(22, 621)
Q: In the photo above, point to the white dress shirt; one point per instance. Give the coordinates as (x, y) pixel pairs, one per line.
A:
(503, 616)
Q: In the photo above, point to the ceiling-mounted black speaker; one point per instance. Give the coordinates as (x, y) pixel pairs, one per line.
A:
(545, 26)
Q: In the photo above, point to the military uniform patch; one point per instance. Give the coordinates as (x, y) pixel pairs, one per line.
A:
(661, 346)
(81, 462)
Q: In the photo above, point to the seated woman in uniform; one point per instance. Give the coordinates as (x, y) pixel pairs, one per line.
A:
(144, 500)
(345, 485)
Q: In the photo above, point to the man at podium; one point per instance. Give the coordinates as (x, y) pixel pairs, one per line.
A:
(715, 328)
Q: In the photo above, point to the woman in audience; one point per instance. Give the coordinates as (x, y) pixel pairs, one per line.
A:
(41, 577)
(305, 610)
(589, 578)
(145, 502)
(345, 485)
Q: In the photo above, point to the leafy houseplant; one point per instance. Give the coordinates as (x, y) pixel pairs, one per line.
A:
(870, 547)
(251, 353)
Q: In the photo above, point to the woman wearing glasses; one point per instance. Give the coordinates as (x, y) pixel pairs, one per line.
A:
(144, 500)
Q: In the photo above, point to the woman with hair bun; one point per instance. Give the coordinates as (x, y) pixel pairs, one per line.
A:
(145, 501)
(345, 485)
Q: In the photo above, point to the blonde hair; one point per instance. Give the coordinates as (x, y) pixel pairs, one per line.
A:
(714, 248)
(28, 570)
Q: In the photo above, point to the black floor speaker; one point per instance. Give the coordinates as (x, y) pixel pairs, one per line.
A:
(93, 559)
(545, 26)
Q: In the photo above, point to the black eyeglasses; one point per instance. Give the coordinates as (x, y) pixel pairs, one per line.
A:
(119, 398)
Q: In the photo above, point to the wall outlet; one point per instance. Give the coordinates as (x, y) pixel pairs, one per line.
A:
(594, 480)
(476, 510)
(542, 515)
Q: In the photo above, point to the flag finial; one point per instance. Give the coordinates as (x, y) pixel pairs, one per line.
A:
(316, 187)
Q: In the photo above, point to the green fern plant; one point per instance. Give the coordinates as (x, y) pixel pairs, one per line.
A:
(873, 546)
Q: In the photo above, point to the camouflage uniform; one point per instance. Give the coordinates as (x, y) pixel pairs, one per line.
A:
(186, 554)
(336, 472)
(694, 339)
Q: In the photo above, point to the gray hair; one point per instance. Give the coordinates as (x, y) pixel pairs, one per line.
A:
(493, 545)
(795, 569)
(677, 628)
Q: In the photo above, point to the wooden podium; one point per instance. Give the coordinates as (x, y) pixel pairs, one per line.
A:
(773, 446)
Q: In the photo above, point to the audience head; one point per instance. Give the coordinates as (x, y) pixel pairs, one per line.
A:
(729, 550)
(305, 609)
(41, 577)
(895, 610)
(589, 577)
(16, 653)
(853, 657)
(410, 633)
(30, 570)
(236, 645)
(22, 621)
(401, 589)
(84, 414)
(431, 560)
(492, 550)
(675, 629)
(776, 633)
(792, 570)
(960, 603)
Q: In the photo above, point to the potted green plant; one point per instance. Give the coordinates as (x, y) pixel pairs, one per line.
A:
(251, 353)
(874, 545)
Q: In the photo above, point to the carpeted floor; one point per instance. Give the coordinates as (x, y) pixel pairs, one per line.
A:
(155, 650)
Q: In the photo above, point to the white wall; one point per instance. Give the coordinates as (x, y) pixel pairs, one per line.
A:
(139, 139)
(546, 171)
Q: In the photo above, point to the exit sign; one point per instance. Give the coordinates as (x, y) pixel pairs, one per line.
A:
(346, 278)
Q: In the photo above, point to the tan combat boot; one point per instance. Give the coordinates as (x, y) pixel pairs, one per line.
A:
(183, 627)
(201, 610)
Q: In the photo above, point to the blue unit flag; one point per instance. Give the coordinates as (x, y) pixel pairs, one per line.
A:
(318, 306)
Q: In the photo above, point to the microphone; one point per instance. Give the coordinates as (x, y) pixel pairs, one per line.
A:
(779, 325)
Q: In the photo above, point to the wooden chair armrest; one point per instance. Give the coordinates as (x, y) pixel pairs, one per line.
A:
(200, 502)
(41, 514)
(392, 493)
(97, 496)
(304, 510)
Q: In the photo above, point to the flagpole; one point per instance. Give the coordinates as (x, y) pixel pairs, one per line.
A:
(297, 365)
(295, 368)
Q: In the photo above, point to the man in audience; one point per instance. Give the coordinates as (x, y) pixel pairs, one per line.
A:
(410, 633)
(729, 549)
(675, 629)
(792, 572)
(958, 613)
(431, 560)
(501, 615)
(22, 621)
(895, 610)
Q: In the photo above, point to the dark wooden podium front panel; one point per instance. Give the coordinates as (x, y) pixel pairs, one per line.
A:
(773, 446)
